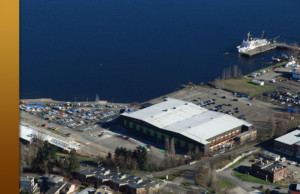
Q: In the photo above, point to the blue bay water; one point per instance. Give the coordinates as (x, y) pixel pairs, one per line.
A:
(135, 50)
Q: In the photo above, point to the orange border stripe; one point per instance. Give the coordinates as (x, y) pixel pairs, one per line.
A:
(9, 96)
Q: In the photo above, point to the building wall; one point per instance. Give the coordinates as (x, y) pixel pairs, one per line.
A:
(247, 137)
(258, 172)
(280, 174)
(291, 150)
(147, 131)
(296, 75)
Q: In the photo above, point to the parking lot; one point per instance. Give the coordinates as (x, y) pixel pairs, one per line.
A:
(228, 103)
(93, 139)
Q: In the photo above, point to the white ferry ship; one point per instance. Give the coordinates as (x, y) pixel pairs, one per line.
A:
(252, 43)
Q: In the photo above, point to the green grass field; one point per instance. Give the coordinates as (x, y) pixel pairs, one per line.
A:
(244, 86)
(80, 158)
(250, 178)
(57, 132)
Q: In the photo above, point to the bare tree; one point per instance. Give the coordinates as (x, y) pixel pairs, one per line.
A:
(167, 145)
(235, 71)
(229, 73)
(224, 74)
(172, 147)
(272, 125)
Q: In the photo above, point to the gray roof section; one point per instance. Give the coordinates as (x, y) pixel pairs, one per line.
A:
(187, 119)
(290, 138)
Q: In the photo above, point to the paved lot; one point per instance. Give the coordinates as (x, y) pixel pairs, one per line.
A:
(90, 142)
(245, 106)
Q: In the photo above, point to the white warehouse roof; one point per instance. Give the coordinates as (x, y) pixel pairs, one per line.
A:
(187, 119)
(290, 138)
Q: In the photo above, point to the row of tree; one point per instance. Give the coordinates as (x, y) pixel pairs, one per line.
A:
(127, 159)
(46, 160)
(232, 72)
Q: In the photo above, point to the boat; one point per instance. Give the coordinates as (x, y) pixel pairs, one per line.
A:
(252, 43)
(291, 61)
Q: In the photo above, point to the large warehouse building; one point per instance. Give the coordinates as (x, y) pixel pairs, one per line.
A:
(190, 125)
(289, 143)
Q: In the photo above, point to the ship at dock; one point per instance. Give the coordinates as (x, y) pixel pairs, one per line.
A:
(252, 43)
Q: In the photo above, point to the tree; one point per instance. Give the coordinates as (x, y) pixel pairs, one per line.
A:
(272, 125)
(172, 147)
(108, 160)
(45, 159)
(73, 161)
(205, 176)
(140, 154)
(235, 71)
(167, 145)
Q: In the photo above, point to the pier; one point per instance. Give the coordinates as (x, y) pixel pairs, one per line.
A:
(269, 47)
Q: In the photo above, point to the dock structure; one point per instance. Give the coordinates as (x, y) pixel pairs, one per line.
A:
(269, 47)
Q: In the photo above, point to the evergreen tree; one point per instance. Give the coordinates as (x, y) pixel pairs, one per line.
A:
(73, 161)
(141, 156)
(45, 158)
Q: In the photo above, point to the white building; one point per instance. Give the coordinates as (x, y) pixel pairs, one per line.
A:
(289, 143)
(257, 82)
(190, 125)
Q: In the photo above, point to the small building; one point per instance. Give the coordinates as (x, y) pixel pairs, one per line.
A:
(289, 143)
(257, 82)
(270, 156)
(294, 189)
(246, 136)
(268, 171)
(28, 184)
(28, 134)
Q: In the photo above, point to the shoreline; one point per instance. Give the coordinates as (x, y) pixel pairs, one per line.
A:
(180, 87)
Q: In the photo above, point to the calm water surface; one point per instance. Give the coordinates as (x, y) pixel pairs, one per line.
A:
(135, 50)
